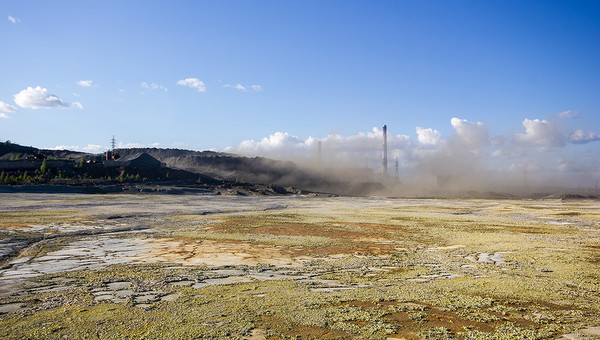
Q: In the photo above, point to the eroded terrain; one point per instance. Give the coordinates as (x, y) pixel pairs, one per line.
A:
(193, 266)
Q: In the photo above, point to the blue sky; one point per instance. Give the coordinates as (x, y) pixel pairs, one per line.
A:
(272, 77)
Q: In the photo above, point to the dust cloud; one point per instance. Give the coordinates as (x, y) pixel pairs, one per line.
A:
(545, 157)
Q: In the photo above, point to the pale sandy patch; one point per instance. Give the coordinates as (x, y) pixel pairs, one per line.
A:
(215, 253)
(456, 246)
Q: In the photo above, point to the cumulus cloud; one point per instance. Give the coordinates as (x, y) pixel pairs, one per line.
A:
(13, 19)
(473, 134)
(428, 136)
(85, 83)
(276, 141)
(38, 98)
(194, 83)
(540, 133)
(337, 150)
(153, 86)
(7, 108)
(583, 137)
(457, 161)
(3, 115)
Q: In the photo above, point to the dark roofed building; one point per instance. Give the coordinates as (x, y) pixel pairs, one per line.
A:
(138, 160)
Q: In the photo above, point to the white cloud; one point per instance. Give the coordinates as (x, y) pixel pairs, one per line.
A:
(583, 137)
(278, 140)
(255, 88)
(540, 133)
(237, 87)
(85, 83)
(94, 148)
(471, 133)
(78, 105)
(428, 136)
(422, 159)
(153, 86)
(193, 83)
(13, 19)
(337, 150)
(7, 108)
(122, 145)
(3, 115)
(567, 114)
(38, 98)
(90, 148)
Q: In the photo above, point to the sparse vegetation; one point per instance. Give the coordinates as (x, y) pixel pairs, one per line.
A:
(295, 267)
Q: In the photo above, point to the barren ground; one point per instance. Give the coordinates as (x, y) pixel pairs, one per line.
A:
(188, 266)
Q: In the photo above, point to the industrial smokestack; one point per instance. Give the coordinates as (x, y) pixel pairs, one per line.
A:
(385, 166)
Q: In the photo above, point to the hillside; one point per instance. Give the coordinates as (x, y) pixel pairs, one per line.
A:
(10, 150)
(209, 167)
(257, 170)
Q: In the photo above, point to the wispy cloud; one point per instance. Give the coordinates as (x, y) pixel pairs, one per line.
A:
(567, 114)
(194, 83)
(95, 148)
(13, 19)
(7, 108)
(121, 145)
(236, 86)
(90, 148)
(85, 83)
(3, 115)
(38, 98)
(78, 105)
(240, 87)
(153, 86)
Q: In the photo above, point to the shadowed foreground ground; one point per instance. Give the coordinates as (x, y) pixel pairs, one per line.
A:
(160, 266)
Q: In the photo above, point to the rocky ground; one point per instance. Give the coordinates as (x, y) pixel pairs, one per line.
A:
(205, 266)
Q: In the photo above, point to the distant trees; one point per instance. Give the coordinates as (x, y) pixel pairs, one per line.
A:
(11, 179)
(80, 165)
(44, 167)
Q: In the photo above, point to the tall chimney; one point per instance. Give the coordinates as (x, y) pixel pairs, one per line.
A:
(385, 167)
